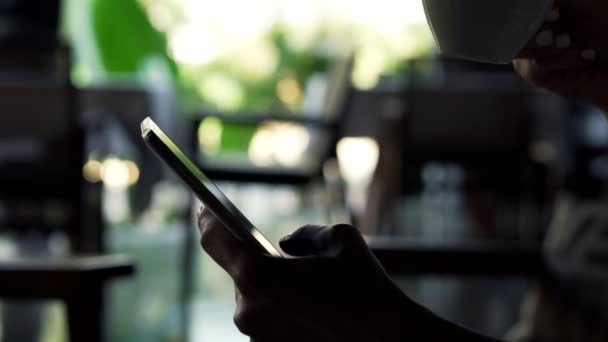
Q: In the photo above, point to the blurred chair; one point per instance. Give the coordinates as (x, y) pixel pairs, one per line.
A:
(112, 114)
(484, 125)
(42, 189)
(42, 148)
(115, 111)
(461, 190)
(322, 120)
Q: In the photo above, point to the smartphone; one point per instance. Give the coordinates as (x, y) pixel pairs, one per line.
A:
(204, 189)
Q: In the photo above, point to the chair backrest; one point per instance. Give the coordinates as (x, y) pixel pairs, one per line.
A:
(463, 124)
(41, 144)
(483, 123)
(29, 19)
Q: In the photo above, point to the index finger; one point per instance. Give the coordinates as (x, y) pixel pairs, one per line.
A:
(223, 247)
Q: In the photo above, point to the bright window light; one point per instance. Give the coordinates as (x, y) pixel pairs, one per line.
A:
(133, 172)
(119, 174)
(279, 143)
(114, 173)
(92, 171)
(261, 148)
(192, 45)
(289, 91)
(291, 141)
(358, 158)
(210, 135)
(223, 91)
(381, 32)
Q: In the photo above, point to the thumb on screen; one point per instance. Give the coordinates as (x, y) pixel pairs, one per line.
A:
(314, 240)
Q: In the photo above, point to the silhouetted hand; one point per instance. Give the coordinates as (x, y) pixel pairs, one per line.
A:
(569, 55)
(333, 290)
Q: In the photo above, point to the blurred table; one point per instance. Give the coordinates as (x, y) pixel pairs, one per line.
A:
(78, 281)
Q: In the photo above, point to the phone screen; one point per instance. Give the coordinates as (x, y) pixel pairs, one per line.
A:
(204, 189)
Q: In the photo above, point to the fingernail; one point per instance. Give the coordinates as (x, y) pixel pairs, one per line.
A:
(553, 15)
(286, 237)
(563, 41)
(200, 211)
(544, 38)
(588, 55)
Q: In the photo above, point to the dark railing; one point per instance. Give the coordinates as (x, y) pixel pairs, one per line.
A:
(411, 258)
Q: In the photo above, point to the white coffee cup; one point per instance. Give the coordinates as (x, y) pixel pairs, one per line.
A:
(490, 31)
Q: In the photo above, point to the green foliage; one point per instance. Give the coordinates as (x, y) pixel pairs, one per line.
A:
(236, 138)
(124, 35)
(124, 39)
(261, 94)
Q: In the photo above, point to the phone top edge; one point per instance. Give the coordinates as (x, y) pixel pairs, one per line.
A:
(146, 126)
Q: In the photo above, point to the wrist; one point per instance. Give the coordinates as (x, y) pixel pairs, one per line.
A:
(401, 319)
(385, 317)
(410, 321)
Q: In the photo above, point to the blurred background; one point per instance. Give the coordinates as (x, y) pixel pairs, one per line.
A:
(304, 112)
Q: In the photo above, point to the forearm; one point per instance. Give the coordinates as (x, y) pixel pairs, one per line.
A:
(407, 321)
(435, 328)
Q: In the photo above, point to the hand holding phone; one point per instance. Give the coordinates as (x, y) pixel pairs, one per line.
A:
(204, 189)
